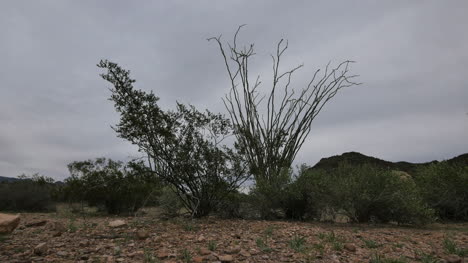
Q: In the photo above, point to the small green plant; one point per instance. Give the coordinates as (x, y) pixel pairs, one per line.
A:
(337, 245)
(398, 245)
(212, 245)
(371, 243)
(321, 235)
(451, 247)
(297, 243)
(336, 241)
(128, 237)
(191, 227)
(149, 257)
(376, 258)
(3, 238)
(186, 256)
(72, 226)
(269, 231)
(426, 258)
(331, 237)
(262, 244)
(319, 247)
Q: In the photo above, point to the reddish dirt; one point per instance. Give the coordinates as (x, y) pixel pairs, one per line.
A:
(92, 240)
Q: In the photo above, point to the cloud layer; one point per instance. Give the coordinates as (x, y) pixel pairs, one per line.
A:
(412, 60)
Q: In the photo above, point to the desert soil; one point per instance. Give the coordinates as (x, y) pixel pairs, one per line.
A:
(52, 238)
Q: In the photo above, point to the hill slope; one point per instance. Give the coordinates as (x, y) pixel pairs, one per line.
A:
(359, 159)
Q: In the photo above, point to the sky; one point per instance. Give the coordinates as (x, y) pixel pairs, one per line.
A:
(411, 58)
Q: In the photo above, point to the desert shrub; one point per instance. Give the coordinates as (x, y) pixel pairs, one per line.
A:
(30, 194)
(169, 202)
(364, 193)
(269, 195)
(184, 147)
(118, 187)
(238, 205)
(444, 187)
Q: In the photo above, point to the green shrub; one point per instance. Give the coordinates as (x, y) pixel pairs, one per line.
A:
(444, 188)
(118, 187)
(363, 193)
(269, 195)
(169, 202)
(30, 194)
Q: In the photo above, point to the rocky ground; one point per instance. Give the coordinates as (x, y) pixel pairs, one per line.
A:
(52, 238)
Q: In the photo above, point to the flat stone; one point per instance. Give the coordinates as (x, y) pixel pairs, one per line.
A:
(226, 258)
(117, 223)
(453, 259)
(8, 223)
(350, 247)
(36, 223)
(204, 251)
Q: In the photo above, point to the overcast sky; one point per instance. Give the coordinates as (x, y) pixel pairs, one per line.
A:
(412, 58)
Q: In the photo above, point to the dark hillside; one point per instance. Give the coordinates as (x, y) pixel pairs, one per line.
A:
(356, 158)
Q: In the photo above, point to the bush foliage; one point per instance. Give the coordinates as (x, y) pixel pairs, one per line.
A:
(362, 193)
(113, 185)
(34, 193)
(444, 187)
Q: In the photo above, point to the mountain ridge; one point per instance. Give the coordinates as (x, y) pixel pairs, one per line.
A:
(359, 159)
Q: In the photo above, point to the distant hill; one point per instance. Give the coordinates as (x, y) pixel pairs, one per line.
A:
(359, 159)
(8, 179)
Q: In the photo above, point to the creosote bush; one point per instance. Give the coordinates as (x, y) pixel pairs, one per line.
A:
(444, 187)
(34, 193)
(118, 187)
(363, 193)
(184, 147)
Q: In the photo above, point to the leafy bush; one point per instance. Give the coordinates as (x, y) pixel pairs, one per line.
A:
(169, 202)
(184, 146)
(116, 186)
(31, 194)
(363, 193)
(444, 188)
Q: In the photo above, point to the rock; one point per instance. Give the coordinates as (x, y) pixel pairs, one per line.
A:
(36, 223)
(244, 253)
(234, 250)
(197, 259)
(386, 250)
(453, 259)
(62, 254)
(58, 227)
(84, 243)
(350, 247)
(117, 223)
(204, 251)
(110, 259)
(162, 254)
(41, 249)
(142, 234)
(226, 258)
(8, 223)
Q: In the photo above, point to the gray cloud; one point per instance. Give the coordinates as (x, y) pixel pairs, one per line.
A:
(412, 60)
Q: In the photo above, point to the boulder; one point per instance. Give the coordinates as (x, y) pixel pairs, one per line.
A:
(41, 249)
(8, 223)
(117, 223)
(142, 234)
